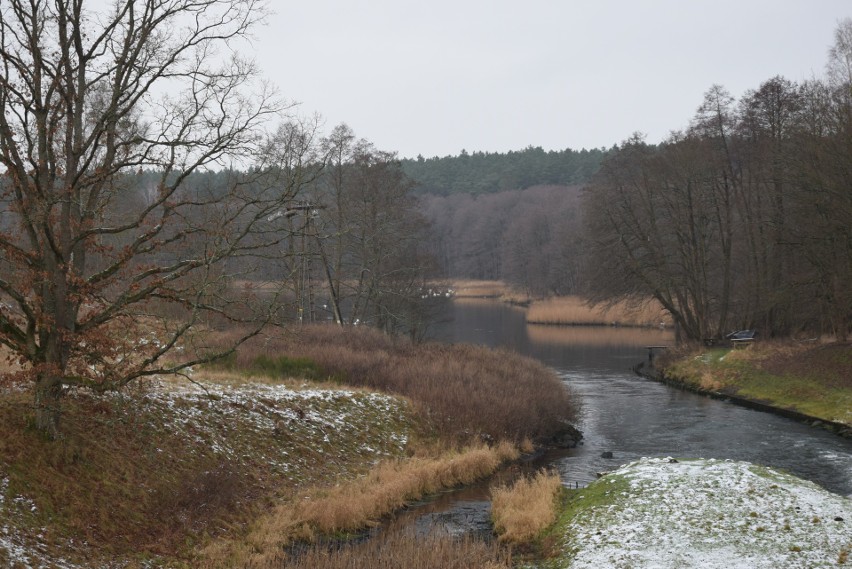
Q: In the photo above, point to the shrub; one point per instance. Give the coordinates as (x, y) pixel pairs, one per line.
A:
(522, 511)
(465, 391)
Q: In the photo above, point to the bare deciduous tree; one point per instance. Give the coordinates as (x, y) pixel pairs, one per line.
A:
(744, 220)
(93, 101)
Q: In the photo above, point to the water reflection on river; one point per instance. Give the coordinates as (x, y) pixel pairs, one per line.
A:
(632, 417)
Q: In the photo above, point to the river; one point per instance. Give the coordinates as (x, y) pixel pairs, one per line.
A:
(622, 414)
(632, 417)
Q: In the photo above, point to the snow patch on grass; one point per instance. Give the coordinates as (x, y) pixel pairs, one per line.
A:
(658, 513)
(297, 423)
(293, 434)
(20, 548)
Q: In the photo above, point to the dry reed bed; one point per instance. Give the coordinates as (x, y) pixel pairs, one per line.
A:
(467, 289)
(573, 310)
(479, 289)
(522, 511)
(463, 391)
(353, 505)
(407, 551)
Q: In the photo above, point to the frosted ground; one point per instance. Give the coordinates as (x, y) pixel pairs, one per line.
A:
(662, 513)
(301, 425)
(652, 513)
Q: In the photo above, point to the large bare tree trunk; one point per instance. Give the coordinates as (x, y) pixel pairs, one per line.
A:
(48, 392)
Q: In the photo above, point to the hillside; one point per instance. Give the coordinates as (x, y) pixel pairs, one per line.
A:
(299, 436)
(153, 472)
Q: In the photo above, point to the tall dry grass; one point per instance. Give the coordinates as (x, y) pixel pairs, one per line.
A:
(353, 505)
(479, 289)
(521, 511)
(406, 551)
(574, 310)
(489, 289)
(463, 391)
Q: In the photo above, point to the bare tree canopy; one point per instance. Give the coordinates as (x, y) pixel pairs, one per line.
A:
(743, 221)
(106, 115)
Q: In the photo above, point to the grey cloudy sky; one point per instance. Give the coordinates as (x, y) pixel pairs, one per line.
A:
(434, 77)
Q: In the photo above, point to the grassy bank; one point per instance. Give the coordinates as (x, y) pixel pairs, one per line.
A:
(152, 473)
(289, 440)
(812, 379)
(702, 513)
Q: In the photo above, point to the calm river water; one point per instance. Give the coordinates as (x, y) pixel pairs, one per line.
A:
(622, 413)
(632, 417)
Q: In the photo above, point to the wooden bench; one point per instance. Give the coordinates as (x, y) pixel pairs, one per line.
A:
(741, 338)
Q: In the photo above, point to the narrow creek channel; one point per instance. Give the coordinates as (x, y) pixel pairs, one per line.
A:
(624, 414)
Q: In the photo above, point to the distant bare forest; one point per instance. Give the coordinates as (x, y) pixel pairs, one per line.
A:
(741, 220)
(511, 216)
(528, 238)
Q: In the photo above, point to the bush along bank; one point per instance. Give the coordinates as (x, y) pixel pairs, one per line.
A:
(807, 382)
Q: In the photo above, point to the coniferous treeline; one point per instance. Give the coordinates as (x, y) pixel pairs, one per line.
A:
(485, 172)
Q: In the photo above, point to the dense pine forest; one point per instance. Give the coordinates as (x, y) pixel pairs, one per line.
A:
(485, 173)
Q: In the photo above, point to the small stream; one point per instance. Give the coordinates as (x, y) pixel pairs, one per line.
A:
(624, 414)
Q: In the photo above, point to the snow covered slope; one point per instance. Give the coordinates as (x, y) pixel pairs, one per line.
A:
(664, 513)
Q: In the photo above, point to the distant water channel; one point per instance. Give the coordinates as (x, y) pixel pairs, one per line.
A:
(627, 415)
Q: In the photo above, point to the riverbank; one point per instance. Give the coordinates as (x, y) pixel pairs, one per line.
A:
(570, 310)
(266, 450)
(808, 382)
(711, 514)
(151, 474)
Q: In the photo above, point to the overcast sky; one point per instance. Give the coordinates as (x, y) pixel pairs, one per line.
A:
(433, 77)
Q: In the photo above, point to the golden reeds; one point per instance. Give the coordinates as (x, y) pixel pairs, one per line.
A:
(576, 311)
(356, 504)
(521, 511)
